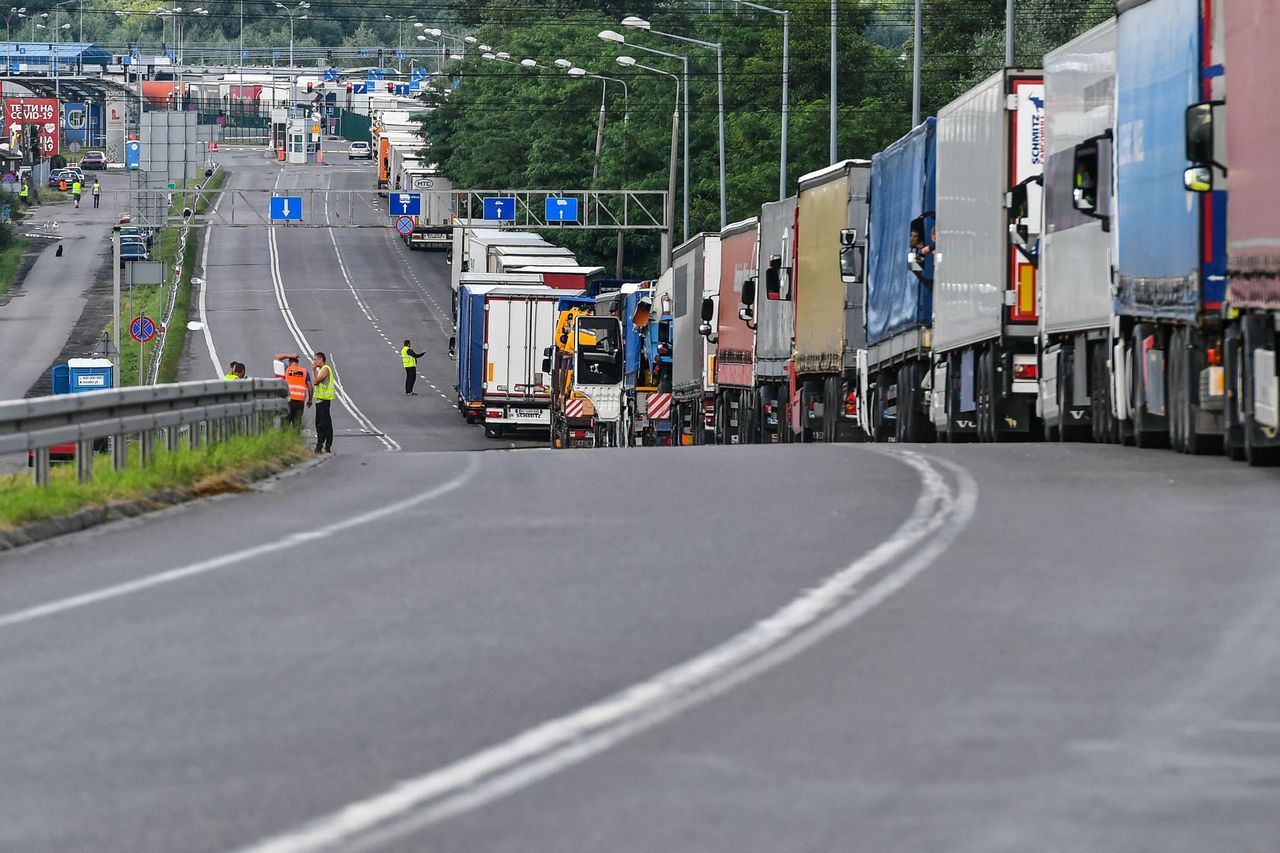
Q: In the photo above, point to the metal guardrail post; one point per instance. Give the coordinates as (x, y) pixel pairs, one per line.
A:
(40, 465)
(171, 438)
(119, 452)
(147, 446)
(84, 460)
(193, 436)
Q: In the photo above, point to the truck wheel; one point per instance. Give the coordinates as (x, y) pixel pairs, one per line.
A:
(1101, 420)
(983, 386)
(1257, 452)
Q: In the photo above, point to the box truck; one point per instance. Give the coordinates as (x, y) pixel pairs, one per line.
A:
(772, 312)
(736, 405)
(694, 263)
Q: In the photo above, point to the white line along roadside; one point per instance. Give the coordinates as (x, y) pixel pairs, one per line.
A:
(204, 290)
(282, 299)
(938, 517)
(75, 602)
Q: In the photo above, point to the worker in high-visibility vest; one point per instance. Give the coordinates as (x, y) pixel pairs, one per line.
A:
(325, 392)
(409, 359)
(75, 191)
(300, 389)
(24, 193)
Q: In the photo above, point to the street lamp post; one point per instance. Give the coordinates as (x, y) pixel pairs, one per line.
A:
(37, 23)
(636, 23)
(618, 38)
(298, 13)
(579, 73)
(21, 13)
(630, 62)
(400, 22)
(786, 85)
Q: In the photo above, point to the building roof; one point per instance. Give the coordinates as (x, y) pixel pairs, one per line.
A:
(39, 53)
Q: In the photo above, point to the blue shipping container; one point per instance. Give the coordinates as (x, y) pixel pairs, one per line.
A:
(1158, 272)
(903, 189)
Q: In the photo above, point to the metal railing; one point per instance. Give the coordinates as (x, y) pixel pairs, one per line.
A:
(209, 410)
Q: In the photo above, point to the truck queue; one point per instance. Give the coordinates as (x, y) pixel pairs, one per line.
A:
(1051, 257)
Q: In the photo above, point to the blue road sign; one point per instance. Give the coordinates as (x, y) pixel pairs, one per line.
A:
(331, 74)
(363, 53)
(275, 54)
(286, 207)
(404, 204)
(375, 73)
(399, 54)
(500, 208)
(404, 225)
(142, 328)
(562, 210)
(359, 88)
(402, 88)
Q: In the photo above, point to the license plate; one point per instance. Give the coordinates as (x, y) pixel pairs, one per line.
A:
(526, 414)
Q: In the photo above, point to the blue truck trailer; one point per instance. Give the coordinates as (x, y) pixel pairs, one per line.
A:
(899, 304)
(1170, 275)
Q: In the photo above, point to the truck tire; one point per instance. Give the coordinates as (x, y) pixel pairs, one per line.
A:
(1257, 451)
(985, 385)
(1101, 418)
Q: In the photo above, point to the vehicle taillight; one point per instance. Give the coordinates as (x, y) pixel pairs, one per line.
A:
(1215, 357)
(493, 414)
(1026, 371)
(851, 404)
(579, 433)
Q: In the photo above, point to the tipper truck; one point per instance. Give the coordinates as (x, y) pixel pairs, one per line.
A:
(736, 401)
(1171, 265)
(1252, 33)
(1077, 250)
(990, 158)
(695, 269)
(899, 286)
(773, 315)
(831, 212)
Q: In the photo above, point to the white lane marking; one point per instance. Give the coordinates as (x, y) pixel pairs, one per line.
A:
(75, 602)
(539, 752)
(204, 289)
(282, 299)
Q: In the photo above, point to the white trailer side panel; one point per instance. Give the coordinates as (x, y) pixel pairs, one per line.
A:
(1075, 253)
(775, 318)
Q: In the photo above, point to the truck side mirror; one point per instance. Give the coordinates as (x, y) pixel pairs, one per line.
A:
(1199, 132)
(749, 292)
(1023, 206)
(1085, 168)
(708, 310)
(1198, 179)
(773, 279)
(851, 258)
(848, 236)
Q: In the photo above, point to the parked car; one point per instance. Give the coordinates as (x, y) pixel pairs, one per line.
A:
(56, 177)
(73, 173)
(93, 160)
(147, 235)
(133, 249)
(359, 151)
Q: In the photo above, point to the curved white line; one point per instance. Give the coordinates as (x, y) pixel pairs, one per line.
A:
(552, 746)
(75, 602)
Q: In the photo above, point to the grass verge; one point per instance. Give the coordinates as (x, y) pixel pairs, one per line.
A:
(224, 467)
(10, 260)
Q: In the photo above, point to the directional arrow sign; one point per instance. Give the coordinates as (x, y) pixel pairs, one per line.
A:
(404, 204)
(500, 208)
(286, 207)
(562, 210)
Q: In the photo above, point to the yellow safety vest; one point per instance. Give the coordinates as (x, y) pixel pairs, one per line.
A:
(230, 376)
(75, 188)
(325, 389)
(409, 361)
(24, 192)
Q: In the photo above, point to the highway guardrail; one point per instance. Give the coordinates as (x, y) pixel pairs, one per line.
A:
(209, 410)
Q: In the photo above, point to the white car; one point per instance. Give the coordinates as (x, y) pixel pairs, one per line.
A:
(359, 151)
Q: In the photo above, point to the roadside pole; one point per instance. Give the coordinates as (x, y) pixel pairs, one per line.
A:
(115, 307)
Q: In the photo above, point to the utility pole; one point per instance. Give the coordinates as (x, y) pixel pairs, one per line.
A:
(1008, 34)
(832, 157)
(917, 50)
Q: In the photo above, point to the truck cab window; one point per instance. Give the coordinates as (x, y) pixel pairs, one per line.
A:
(777, 280)
(922, 243)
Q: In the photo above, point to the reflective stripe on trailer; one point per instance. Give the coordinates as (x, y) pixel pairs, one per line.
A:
(575, 408)
(658, 407)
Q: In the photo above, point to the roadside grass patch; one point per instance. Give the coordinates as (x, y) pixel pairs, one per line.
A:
(228, 466)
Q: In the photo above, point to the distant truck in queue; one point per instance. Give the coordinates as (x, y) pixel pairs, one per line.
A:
(433, 229)
(695, 268)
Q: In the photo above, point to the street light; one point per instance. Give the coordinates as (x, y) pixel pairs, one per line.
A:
(400, 22)
(579, 73)
(618, 38)
(637, 23)
(13, 10)
(296, 13)
(630, 62)
(34, 22)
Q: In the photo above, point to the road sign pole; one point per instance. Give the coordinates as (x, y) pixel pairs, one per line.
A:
(115, 307)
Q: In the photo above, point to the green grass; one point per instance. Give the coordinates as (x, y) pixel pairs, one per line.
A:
(10, 260)
(224, 467)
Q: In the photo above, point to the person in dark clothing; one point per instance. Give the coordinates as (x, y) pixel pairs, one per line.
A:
(409, 359)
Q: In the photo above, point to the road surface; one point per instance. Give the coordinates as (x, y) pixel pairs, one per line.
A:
(908, 649)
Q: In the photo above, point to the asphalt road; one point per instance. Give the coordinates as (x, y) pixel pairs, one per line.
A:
(353, 293)
(1010, 648)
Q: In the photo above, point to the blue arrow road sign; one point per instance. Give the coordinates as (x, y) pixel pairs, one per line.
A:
(404, 204)
(286, 207)
(562, 210)
(359, 88)
(500, 208)
(402, 88)
(331, 74)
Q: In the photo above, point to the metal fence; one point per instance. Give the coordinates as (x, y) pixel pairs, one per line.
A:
(210, 411)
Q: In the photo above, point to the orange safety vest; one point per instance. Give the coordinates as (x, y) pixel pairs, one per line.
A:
(297, 379)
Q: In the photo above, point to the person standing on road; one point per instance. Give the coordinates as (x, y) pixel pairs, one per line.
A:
(24, 194)
(410, 360)
(231, 372)
(322, 375)
(97, 193)
(75, 191)
(300, 389)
